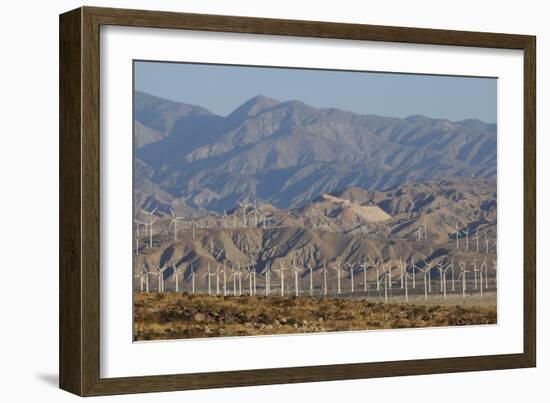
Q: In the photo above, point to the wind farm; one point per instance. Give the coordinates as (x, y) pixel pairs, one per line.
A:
(285, 218)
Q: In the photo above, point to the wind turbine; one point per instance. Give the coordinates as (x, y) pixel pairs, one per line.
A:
(150, 224)
(234, 275)
(440, 268)
(282, 275)
(401, 269)
(138, 232)
(176, 273)
(467, 232)
(404, 280)
(462, 275)
(224, 272)
(377, 273)
(267, 274)
(482, 268)
(452, 267)
(365, 265)
(476, 237)
(385, 277)
(413, 268)
(192, 279)
(217, 274)
(426, 270)
(144, 279)
(339, 290)
(209, 276)
(419, 233)
(457, 232)
(350, 268)
(325, 290)
(245, 206)
(174, 222)
(240, 278)
(248, 276)
(476, 270)
(160, 273)
(310, 279)
(296, 271)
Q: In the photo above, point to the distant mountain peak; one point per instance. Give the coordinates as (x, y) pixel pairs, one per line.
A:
(254, 106)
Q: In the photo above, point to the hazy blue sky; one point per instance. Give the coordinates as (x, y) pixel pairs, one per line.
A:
(221, 89)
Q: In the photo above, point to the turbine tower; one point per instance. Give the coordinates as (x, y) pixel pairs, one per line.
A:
(365, 265)
(296, 271)
(463, 271)
(457, 232)
(150, 224)
(467, 232)
(310, 279)
(325, 270)
(267, 274)
(350, 268)
(209, 276)
(174, 222)
(176, 275)
(282, 276)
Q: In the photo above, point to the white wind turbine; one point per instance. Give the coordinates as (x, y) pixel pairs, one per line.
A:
(452, 267)
(440, 269)
(208, 275)
(296, 270)
(404, 280)
(245, 207)
(475, 270)
(419, 233)
(426, 270)
(192, 279)
(176, 276)
(224, 276)
(401, 270)
(160, 274)
(350, 268)
(174, 222)
(457, 232)
(443, 277)
(365, 265)
(484, 268)
(234, 276)
(467, 233)
(143, 279)
(248, 275)
(413, 268)
(377, 264)
(150, 224)
(139, 224)
(476, 237)
(385, 277)
(217, 274)
(325, 270)
(463, 271)
(339, 289)
(310, 279)
(281, 272)
(486, 243)
(267, 275)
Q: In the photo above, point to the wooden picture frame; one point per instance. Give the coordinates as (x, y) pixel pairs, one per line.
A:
(79, 346)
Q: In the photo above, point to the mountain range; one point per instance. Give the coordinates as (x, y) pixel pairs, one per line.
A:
(289, 154)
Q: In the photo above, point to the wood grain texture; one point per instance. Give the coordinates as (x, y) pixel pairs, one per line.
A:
(70, 271)
(80, 201)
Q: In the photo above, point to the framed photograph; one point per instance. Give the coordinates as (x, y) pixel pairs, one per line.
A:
(250, 201)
